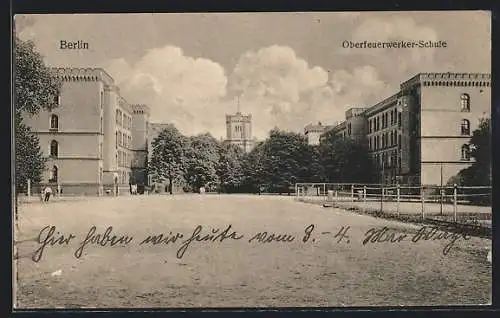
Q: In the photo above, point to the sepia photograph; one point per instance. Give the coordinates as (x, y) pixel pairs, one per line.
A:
(257, 160)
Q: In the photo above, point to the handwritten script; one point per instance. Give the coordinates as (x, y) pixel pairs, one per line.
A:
(49, 236)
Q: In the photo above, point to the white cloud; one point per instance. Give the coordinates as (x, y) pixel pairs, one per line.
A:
(178, 89)
(276, 86)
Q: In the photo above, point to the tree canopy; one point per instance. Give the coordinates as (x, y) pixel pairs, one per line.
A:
(35, 89)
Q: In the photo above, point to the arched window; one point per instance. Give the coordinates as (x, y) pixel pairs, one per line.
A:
(54, 174)
(54, 148)
(465, 152)
(465, 103)
(54, 122)
(465, 127)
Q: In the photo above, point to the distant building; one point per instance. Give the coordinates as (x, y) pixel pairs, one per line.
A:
(239, 130)
(420, 135)
(313, 133)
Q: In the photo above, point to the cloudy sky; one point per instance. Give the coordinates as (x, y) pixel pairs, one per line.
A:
(289, 69)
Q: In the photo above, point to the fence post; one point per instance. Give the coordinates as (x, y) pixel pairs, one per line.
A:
(364, 198)
(455, 202)
(398, 192)
(336, 197)
(441, 191)
(422, 200)
(324, 190)
(352, 193)
(29, 188)
(382, 198)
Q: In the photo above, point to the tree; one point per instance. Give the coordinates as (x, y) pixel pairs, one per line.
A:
(345, 160)
(35, 89)
(253, 169)
(202, 160)
(284, 159)
(230, 168)
(168, 159)
(479, 173)
(29, 161)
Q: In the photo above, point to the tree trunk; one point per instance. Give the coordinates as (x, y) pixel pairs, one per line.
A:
(170, 185)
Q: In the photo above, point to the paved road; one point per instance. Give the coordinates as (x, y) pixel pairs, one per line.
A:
(319, 272)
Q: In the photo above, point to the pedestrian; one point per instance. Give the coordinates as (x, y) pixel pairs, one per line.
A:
(47, 193)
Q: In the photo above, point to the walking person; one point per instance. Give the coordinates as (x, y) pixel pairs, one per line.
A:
(47, 193)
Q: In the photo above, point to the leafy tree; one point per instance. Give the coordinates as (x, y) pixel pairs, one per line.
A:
(285, 159)
(202, 160)
(29, 161)
(35, 89)
(168, 158)
(479, 173)
(230, 168)
(345, 159)
(253, 169)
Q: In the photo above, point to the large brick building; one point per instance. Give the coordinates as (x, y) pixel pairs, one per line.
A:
(94, 139)
(420, 135)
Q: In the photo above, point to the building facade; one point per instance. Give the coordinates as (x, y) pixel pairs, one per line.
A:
(420, 135)
(239, 131)
(88, 138)
(314, 132)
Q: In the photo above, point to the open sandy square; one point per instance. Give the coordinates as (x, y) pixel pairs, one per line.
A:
(331, 268)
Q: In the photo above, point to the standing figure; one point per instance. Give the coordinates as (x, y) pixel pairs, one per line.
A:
(47, 193)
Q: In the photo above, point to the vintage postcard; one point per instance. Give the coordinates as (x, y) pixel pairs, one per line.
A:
(333, 159)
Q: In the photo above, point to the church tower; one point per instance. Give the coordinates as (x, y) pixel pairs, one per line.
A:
(239, 129)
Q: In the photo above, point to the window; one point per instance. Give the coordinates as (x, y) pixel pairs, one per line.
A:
(54, 148)
(54, 122)
(399, 141)
(465, 152)
(465, 127)
(399, 120)
(116, 139)
(54, 174)
(349, 129)
(102, 99)
(57, 100)
(465, 103)
(117, 115)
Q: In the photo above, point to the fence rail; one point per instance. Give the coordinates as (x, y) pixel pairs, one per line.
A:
(459, 204)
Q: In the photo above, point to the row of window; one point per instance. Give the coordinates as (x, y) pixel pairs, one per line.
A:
(387, 139)
(384, 120)
(123, 120)
(123, 140)
(54, 123)
(388, 160)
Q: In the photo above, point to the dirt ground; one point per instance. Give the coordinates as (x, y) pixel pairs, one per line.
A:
(322, 271)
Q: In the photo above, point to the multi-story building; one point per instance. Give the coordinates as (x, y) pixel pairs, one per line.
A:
(140, 142)
(314, 132)
(420, 135)
(88, 137)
